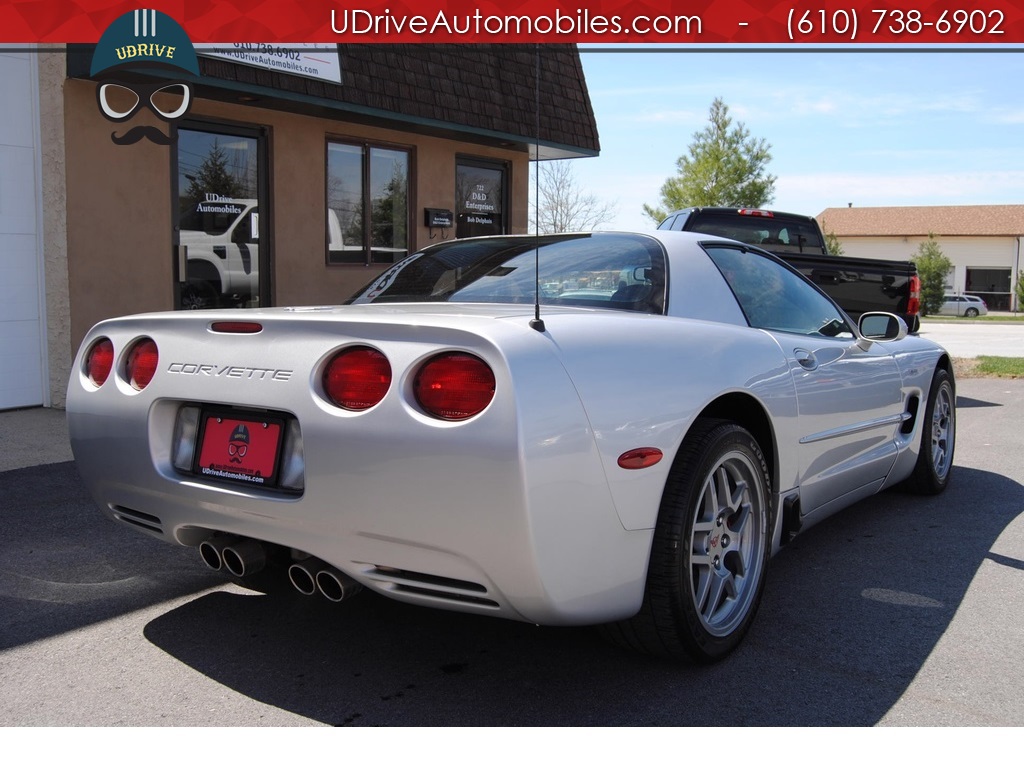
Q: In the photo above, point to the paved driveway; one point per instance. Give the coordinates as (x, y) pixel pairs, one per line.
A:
(975, 339)
(903, 610)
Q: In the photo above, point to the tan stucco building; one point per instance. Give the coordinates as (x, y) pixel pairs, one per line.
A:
(279, 189)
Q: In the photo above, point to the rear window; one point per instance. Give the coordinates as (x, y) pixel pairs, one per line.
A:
(772, 234)
(603, 270)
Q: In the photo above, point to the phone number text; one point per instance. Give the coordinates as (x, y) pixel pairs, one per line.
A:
(885, 25)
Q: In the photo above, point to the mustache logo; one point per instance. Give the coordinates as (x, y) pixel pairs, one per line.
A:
(235, 459)
(140, 132)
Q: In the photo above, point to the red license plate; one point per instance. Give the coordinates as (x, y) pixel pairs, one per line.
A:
(243, 449)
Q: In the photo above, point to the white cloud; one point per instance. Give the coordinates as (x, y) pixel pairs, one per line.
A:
(1012, 117)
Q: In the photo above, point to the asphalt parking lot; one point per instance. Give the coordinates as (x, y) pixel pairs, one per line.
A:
(901, 611)
(971, 339)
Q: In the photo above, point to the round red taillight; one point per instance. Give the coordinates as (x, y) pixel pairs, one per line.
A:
(99, 361)
(142, 362)
(357, 378)
(454, 386)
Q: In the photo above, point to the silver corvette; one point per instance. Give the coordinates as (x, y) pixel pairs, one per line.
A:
(608, 428)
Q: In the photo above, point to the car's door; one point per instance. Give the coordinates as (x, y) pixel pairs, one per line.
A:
(849, 390)
(243, 253)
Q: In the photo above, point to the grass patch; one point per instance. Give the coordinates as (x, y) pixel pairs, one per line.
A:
(987, 366)
(1005, 318)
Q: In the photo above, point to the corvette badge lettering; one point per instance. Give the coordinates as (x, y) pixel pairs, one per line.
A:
(230, 371)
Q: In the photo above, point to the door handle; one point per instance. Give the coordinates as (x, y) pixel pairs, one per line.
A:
(182, 263)
(806, 359)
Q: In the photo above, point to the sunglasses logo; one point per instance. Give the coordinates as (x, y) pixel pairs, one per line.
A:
(144, 39)
(119, 101)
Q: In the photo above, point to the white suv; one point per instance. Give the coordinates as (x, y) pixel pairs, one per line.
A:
(963, 306)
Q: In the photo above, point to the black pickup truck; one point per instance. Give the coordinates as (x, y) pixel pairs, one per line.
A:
(856, 285)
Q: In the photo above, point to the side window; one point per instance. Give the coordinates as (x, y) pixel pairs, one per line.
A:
(367, 203)
(775, 298)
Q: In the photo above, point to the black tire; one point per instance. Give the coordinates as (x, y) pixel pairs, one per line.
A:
(199, 294)
(970, 312)
(938, 438)
(709, 557)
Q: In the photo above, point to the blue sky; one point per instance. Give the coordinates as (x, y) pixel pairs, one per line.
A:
(900, 128)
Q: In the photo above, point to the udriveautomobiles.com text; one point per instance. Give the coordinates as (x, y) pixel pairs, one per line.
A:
(583, 22)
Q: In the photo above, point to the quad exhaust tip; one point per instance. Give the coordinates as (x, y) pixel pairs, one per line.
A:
(312, 575)
(244, 557)
(211, 551)
(240, 557)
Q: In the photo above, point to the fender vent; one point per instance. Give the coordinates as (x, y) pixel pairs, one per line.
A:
(142, 520)
(910, 418)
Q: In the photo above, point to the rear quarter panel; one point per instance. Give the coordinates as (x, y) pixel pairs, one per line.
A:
(644, 379)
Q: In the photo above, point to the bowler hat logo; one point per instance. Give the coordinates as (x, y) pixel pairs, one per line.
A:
(137, 41)
(238, 445)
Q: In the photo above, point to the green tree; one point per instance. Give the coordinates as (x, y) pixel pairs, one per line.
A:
(389, 212)
(1019, 290)
(832, 244)
(212, 177)
(932, 267)
(724, 166)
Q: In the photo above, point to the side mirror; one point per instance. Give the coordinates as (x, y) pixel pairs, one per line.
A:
(882, 326)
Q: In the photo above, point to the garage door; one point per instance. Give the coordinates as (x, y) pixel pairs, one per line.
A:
(21, 319)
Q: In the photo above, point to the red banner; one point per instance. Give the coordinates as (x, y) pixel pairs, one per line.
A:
(672, 22)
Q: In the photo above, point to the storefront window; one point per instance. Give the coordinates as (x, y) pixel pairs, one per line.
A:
(479, 198)
(218, 227)
(367, 204)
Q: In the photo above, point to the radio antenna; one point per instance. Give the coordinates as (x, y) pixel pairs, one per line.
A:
(536, 323)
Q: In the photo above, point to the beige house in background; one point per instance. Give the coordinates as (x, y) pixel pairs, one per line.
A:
(982, 241)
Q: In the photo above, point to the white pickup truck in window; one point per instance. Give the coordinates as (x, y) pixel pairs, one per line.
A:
(221, 241)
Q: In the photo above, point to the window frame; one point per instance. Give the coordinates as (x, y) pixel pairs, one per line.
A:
(366, 148)
(849, 326)
(485, 164)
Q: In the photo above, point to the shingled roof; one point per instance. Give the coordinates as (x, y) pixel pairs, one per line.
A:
(467, 89)
(905, 221)
(481, 93)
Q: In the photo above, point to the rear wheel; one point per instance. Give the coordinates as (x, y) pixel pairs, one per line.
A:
(938, 438)
(710, 551)
(198, 294)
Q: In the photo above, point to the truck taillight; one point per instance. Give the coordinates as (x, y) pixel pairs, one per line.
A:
(454, 386)
(143, 358)
(99, 361)
(756, 212)
(357, 378)
(914, 302)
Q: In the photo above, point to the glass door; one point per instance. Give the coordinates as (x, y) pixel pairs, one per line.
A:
(480, 194)
(220, 239)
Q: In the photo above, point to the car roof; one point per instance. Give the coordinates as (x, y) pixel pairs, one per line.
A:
(733, 210)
